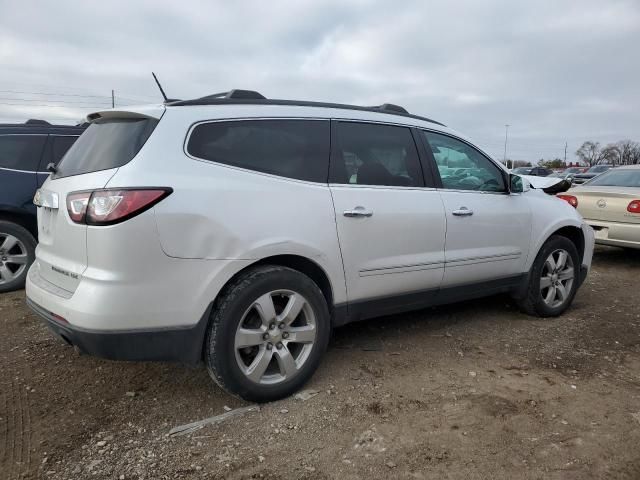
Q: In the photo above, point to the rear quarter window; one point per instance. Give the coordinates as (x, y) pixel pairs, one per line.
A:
(296, 149)
(107, 143)
(21, 152)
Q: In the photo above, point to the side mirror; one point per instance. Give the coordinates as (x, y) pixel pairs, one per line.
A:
(517, 184)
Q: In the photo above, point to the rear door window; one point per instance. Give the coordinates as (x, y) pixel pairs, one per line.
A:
(107, 143)
(375, 154)
(289, 148)
(21, 152)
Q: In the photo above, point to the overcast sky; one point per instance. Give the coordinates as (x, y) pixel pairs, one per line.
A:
(555, 71)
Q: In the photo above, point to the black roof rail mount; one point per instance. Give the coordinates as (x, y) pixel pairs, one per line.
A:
(251, 97)
(236, 94)
(35, 121)
(390, 107)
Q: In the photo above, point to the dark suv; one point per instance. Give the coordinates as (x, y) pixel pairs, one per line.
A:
(25, 151)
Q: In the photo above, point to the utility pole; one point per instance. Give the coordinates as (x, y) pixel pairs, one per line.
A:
(506, 135)
(565, 154)
(113, 99)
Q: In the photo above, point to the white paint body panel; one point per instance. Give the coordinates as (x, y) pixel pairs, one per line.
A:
(163, 267)
(399, 249)
(491, 243)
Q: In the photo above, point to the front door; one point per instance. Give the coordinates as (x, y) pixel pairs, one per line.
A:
(488, 230)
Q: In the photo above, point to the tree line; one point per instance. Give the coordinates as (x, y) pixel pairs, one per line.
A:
(624, 152)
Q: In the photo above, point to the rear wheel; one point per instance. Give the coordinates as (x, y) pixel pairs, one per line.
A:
(267, 334)
(553, 280)
(17, 253)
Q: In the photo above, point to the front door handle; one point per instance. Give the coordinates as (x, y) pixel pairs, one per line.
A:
(463, 212)
(358, 212)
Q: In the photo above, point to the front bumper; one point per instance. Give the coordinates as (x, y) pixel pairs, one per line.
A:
(175, 344)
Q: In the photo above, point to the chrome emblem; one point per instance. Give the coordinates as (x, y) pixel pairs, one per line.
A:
(602, 203)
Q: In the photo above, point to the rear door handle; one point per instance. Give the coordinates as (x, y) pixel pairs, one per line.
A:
(358, 212)
(463, 212)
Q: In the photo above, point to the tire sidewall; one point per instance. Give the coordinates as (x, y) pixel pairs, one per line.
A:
(29, 242)
(220, 353)
(554, 243)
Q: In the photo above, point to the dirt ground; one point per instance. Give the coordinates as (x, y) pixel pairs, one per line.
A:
(470, 391)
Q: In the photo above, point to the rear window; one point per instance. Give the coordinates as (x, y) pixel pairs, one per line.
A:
(618, 178)
(107, 143)
(289, 148)
(21, 152)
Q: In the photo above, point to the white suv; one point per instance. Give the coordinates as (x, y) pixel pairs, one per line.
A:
(239, 230)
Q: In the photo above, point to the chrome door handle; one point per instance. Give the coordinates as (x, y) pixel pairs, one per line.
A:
(462, 212)
(358, 212)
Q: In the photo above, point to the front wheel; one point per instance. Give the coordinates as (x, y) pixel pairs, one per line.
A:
(267, 333)
(553, 279)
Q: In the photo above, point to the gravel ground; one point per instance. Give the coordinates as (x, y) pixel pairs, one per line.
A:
(470, 391)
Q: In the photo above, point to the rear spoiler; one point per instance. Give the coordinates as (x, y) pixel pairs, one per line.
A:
(142, 111)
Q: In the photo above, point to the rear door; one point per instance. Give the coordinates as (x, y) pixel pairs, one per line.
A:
(488, 230)
(19, 158)
(89, 164)
(390, 226)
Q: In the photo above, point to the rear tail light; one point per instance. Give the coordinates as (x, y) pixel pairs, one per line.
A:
(634, 206)
(570, 199)
(110, 206)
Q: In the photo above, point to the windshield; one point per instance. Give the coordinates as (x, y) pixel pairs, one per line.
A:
(107, 143)
(599, 168)
(618, 178)
(522, 170)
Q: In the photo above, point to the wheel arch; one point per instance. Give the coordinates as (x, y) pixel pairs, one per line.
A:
(302, 264)
(569, 229)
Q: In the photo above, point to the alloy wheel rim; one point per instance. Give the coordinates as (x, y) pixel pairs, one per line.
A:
(557, 278)
(275, 337)
(13, 258)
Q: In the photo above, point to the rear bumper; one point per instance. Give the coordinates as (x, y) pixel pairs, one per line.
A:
(616, 234)
(174, 344)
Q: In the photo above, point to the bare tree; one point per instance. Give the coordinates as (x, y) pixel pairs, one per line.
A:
(629, 152)
(612, 154)
(590, 153)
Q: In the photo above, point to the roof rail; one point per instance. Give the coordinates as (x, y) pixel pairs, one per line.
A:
(35, 121)
(251, 97)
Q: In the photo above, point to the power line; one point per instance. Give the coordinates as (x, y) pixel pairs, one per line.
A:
(54, 94)
(54, 106)
(12, 99)
(131, 97)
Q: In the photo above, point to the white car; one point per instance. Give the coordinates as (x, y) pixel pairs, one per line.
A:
(239, 231)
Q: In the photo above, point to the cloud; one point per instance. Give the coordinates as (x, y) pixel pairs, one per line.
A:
(555, 71)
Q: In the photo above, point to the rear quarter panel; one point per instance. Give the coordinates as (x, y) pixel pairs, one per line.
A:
(217, 212)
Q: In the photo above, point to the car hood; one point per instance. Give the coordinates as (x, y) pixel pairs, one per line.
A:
(541, 182)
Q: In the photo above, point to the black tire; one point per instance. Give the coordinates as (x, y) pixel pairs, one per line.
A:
(29, 243)
(228, 311)
(533, 302)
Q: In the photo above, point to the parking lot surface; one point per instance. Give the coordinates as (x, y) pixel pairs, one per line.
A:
(470, 391)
